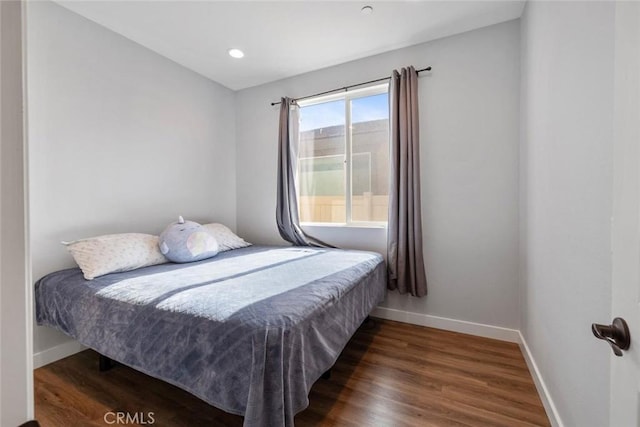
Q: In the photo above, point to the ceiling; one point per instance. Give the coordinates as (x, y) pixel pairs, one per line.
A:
(284, 38)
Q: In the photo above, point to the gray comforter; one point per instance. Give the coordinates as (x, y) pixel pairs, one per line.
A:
(248, 331)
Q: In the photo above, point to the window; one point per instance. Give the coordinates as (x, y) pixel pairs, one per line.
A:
(343, 158)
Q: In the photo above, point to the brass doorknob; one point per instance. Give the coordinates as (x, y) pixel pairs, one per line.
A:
(616, 334)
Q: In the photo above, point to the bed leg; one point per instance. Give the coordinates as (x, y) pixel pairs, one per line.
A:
(104, 363)
(368, 323)
(326, 375)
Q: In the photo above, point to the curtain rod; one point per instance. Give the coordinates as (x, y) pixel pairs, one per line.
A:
(345, 88)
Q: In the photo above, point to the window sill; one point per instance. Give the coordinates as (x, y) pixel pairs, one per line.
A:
(375, 226)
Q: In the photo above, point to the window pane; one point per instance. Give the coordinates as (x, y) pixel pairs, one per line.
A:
(370, 158)
(321, 163)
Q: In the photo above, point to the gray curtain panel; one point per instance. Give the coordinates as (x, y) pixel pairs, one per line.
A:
(404, 240)
(287, 215)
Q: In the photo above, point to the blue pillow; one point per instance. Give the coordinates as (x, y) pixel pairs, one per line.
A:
(187, 241)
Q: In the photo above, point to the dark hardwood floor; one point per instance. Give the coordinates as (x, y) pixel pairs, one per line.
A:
(390, 374)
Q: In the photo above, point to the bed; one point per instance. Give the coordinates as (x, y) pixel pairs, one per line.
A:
(248, 331)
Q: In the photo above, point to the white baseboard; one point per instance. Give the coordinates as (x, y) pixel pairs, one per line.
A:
(462, 326)
(543, 391)
(58, 352)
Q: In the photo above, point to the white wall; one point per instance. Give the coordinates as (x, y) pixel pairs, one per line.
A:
(121, 139)
(567, 139)
(16, 375)
(469, 157)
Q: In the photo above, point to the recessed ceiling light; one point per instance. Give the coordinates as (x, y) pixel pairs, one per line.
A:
(235, 53)
(367, 10)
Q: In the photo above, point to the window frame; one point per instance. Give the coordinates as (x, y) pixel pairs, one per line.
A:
(347, 96)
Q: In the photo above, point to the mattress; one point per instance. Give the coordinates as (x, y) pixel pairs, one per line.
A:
(248, 331)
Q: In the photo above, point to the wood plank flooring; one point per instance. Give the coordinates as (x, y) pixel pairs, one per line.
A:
(390, 374)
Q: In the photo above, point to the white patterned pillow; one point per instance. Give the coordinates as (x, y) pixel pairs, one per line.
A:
(226, 238)
(114, 253)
